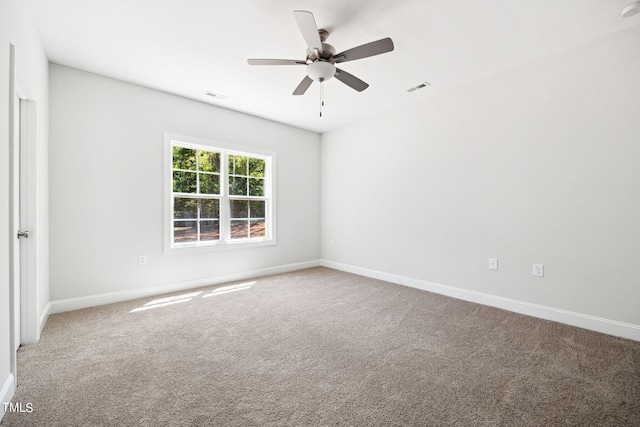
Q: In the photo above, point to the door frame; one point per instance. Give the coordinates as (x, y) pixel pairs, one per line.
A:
(26, 145)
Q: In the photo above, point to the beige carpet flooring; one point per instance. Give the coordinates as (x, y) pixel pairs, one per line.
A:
(321, 347)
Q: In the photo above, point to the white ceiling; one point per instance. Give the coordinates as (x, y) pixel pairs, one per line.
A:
(189, 47)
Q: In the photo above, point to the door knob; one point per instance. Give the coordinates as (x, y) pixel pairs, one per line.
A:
(24, 234)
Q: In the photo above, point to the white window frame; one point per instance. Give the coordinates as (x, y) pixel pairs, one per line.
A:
(225, 242)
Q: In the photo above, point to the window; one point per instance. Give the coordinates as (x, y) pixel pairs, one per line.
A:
(218, 196)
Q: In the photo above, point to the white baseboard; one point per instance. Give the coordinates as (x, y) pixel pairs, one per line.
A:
(113, 297)
(598, 324)
(43, 318)
(6, 394)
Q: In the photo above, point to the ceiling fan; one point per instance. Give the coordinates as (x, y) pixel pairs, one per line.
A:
(322, 57)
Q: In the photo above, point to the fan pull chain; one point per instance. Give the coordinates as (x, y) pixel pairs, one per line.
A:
(321, 96)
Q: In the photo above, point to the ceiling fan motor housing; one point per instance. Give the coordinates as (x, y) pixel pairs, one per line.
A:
(327, 53)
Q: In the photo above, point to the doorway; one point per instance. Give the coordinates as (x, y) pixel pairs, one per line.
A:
(14, 199)
(24, 319)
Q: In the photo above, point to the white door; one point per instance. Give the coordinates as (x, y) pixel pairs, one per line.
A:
(17, 233)
(18, 220)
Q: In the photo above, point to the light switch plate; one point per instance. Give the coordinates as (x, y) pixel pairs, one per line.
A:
(538, 270)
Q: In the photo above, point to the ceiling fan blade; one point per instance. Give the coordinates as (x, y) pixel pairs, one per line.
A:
(365, 50)
(275, 62)
(309, 29)
(303, 86)
(350, 80)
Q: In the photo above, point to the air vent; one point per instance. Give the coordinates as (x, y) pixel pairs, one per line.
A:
(420, 86)
(216, 95)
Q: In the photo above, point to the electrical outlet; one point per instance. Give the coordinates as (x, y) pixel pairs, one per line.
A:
(142, 260)
(331, 242)
(493, 264)
(538, 270)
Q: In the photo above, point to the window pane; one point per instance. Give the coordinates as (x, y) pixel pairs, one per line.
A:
(239, 229)
(239, 208)
(185, 208)
(185, 182)
(203, 194)
(237, 186)
(257, 229)
(256, 187)
(209, 230)
(185, 231)
(209, 184)
(208, 161)
(238, 165)
(209, 208)
(256, 208)
(184, 158)
(256, 167)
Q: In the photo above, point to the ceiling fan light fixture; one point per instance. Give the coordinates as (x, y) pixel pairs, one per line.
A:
(320, 70)
(631, 9)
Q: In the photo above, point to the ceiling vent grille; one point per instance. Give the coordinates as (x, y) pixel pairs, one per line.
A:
(216, 95)
(420, 86)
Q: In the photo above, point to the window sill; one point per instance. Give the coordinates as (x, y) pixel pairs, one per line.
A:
(204, 248)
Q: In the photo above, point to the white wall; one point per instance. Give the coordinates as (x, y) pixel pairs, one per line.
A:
(107, 186)
(17, 28)
(538, 164)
